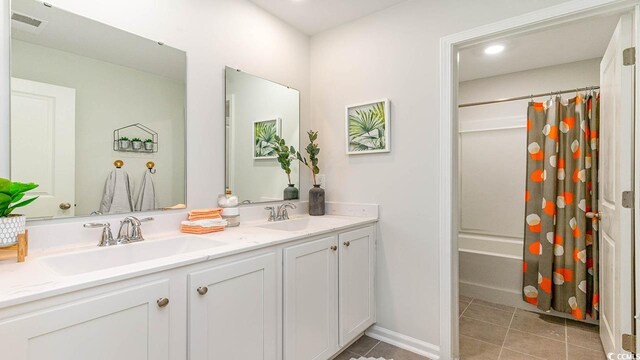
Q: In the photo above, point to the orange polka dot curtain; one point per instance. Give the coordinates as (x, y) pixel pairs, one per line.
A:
(560, 264)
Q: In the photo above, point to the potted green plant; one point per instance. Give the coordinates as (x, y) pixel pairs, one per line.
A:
(285, 155)
(136, 143)
(12, 224)
(123, 143)
(148, 144)
(316, 194)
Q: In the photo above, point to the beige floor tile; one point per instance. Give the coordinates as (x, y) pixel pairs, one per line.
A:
(388, 351)
(583, 326)
(472, 349)
(494, 305)
(489, 314)
(464, 298)
(539, 324)
(462, 306)
(346, 355)
(579, 353)
(507, 354)
(363, 345)
(534, 345)
(585, 339)
(483, 331)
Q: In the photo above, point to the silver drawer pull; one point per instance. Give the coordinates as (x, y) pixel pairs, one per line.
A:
(162, 302)
(202, 290)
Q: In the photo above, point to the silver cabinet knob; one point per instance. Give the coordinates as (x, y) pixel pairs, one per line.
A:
(346, 243)
(162, 302)
(65, 206)
(202, 290)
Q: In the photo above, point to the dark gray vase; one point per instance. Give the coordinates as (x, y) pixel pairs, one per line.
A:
(316, 201)
(291, 192)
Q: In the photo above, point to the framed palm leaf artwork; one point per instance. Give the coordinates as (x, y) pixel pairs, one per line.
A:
(264, 138)
(367, 127)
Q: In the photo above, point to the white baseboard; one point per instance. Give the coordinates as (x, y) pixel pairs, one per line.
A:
(404, 342)
(492, 294)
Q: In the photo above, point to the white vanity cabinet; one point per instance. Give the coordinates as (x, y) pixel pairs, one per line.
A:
(328, 293)
(131, 323)
(233, 309)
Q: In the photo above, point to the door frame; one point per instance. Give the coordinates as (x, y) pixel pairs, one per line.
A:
(448, 130)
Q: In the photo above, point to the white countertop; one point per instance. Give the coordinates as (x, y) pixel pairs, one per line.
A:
(33, 279)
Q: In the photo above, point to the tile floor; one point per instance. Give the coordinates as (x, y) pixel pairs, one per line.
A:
(491, 331)
(369, 347)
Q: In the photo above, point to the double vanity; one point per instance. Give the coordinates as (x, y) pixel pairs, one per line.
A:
(295, 289)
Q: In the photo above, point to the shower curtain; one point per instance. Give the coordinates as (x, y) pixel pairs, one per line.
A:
(561, 244)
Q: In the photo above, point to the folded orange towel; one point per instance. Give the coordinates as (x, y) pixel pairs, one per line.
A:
(205, 211)
(200, 230)
(203, 217)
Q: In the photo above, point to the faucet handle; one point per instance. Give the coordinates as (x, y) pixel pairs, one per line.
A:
(136, 231)
(107, 236)
(272, 212)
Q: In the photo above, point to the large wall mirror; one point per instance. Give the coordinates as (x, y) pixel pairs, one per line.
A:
(257, 112)
(97, 115)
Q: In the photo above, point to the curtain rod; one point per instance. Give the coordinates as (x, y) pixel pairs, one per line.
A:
(528, 96)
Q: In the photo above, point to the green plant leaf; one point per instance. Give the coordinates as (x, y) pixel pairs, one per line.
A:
(21, 204)
(5, 186)
(17, 187)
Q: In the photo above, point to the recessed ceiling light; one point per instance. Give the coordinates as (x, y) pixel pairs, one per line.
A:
(494, 49)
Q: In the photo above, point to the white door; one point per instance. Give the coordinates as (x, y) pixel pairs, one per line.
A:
(616, 169)
(310, 300)
(126, 325)
(232, 311)
(43, 145)
(356, 283)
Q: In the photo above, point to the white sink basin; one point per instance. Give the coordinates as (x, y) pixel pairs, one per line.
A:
(120, 255)
(288, 225)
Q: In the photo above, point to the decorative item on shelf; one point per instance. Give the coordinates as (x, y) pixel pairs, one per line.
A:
(148, 144)
(316, 194)
(11, 194)
(122, 143)
(136, 144)
(151, 165)
(367, 128)
(264, 138)
(285, 155)
(230, 210)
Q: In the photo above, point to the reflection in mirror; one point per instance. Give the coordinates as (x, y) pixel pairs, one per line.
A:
(258, 111)
(97, 115)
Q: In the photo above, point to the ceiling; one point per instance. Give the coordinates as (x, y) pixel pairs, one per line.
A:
(314, 16)
(581, 40)
(75, 34)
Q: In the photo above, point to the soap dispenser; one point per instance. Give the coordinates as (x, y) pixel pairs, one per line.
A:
(230, 209)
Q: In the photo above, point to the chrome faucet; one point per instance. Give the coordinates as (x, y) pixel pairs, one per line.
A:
(125, 235)
(107, 236)
(130, 230)
(282, 211)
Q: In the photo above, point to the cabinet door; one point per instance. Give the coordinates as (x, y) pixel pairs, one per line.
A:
(126, 325)
(356, 283)
(310, 300)
(236, 317)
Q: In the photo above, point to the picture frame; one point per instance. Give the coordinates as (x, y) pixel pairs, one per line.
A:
(263, 138)
(367, 127)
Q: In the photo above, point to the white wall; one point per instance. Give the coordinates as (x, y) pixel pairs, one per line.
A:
(395, 54)
(492, 175)
(214, 33)
(108, 97)
(256, 99)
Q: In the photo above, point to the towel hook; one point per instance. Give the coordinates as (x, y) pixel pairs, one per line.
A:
(150, 166)
(118, 164)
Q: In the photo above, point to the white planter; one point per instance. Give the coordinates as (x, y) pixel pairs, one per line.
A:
(137, 145)
(148, 146)
(10, 227)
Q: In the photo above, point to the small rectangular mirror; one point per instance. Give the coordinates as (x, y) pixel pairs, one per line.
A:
(97, 115)
(258, 111)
